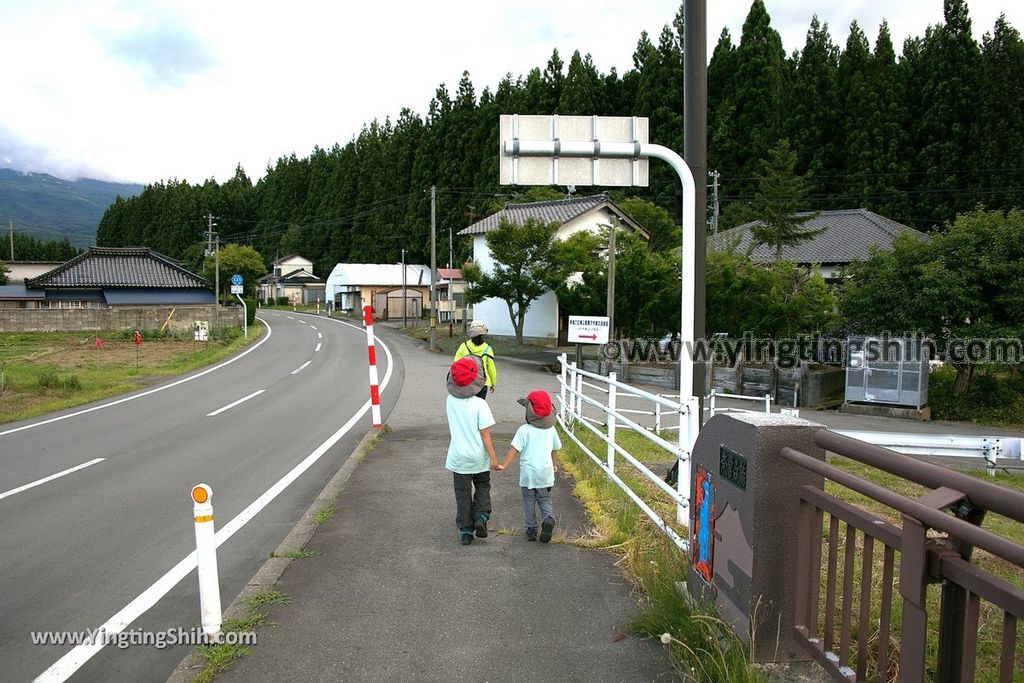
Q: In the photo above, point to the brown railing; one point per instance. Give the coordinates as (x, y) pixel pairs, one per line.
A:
(887, 570)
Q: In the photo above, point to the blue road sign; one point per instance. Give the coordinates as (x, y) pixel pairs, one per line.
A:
(236, 279)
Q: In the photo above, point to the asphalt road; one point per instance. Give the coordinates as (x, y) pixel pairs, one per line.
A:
(114, 537)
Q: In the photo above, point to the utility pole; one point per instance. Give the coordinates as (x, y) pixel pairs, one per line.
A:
(216, 282)
(451, 286)
(405, 305)
(433, 267)
(12, 239)
(215, 253)
(714, 193)
(695, 152)
(611, 278)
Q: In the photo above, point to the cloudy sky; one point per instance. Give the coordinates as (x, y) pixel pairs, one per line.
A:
(147, 90)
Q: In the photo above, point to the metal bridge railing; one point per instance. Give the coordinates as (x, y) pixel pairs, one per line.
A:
(932, 546)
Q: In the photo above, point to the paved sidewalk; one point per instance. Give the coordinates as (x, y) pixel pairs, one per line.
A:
(394, 597)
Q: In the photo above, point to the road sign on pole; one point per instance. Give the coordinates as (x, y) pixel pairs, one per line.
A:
(525, 139)
(591, 329)
(568, 133)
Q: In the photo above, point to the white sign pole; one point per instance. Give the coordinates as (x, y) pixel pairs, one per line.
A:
(245, 316)
(634, 150)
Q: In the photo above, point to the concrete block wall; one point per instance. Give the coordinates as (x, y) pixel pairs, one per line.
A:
(118, 318)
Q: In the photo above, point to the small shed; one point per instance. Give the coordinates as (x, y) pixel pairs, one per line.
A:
(350, 286)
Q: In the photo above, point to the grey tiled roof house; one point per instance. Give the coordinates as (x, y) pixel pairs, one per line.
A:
(846, 235)
(552, 211)
(108, 276)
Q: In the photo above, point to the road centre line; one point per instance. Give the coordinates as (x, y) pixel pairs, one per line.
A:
(312, 327)
(319, 335)
(235, 403)
(146, 393)
(67, 665)
(301, 367)
(317, 347)
(37, 482)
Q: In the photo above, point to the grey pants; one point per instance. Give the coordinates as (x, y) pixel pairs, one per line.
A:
(472, 497)
(533, 499)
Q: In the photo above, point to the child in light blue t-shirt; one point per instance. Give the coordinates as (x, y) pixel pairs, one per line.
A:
(470, 448)
(537, 444)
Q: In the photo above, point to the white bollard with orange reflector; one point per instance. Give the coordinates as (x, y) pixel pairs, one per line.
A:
(372, 352)
(206, 560)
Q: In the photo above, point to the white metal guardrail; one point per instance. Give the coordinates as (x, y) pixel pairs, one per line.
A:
(711, 398)
(573, 399)
(991, 448)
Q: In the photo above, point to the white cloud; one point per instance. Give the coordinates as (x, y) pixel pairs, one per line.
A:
(186, 89)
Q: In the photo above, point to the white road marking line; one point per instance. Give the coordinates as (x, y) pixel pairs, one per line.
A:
(317, 348)
(235, 403)
(319, 335)
(146, 393)
(37, 482)
(290, 317)
(301, 367)
(71, 662)
(303, 322)
(312, 327)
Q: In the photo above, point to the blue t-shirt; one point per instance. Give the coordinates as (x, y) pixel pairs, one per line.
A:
(535, 445)
(466, 417)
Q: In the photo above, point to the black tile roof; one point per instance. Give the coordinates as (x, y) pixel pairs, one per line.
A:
(134, 267)
(552, 211)
(847, 235)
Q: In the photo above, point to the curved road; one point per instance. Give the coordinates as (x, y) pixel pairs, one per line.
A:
(115, 536)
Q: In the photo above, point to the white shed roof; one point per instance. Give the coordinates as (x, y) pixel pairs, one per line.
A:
(378, 274)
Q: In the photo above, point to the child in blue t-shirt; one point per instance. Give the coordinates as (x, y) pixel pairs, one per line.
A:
(537, 444)
(469, 423)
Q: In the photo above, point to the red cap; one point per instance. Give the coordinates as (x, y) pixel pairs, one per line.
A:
(464, 372)
(540, 402)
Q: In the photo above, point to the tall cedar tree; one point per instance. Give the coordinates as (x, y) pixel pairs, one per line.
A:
(779, 197)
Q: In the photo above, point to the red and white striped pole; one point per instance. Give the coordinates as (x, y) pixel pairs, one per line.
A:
(372, 350)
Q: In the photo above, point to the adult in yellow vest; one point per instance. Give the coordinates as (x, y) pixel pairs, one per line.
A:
(476, 346)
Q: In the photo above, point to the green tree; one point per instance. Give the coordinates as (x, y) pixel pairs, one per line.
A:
(665, 234)
(528, 261)
(965, 283)
(235, 258)
(813, 117)
(1002, 92)
(778, 199)
(777, 301)
(3, 273)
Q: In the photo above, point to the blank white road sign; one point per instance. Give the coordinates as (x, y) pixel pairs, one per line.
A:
(588, 329)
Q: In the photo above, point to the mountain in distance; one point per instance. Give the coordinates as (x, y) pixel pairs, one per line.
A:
(51, 208)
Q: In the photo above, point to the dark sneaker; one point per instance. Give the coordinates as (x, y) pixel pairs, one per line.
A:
(531, 534)
(481, 526)
(465, 537)
(545, 529)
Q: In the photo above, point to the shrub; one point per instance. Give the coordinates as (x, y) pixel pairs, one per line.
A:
(281, 300)
(250, 312)
(52, 380)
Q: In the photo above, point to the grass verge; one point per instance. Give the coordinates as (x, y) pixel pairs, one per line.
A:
(219, 657)
(701, 645)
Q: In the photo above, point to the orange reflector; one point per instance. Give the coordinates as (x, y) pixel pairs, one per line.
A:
(204, 518)
(200, 494)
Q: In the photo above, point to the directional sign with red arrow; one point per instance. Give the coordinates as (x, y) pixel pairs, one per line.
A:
(585, 329)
